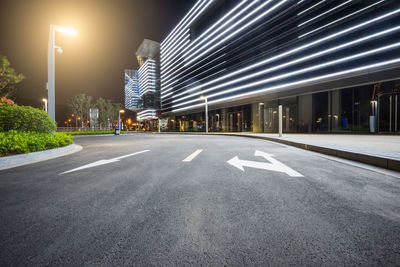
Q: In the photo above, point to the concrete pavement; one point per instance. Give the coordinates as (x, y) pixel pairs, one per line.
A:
(182, 202)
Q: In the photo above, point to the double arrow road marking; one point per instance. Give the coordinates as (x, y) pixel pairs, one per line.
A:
(274, 164)
(104, 161)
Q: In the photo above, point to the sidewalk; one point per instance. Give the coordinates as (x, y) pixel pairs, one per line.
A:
(379, 150)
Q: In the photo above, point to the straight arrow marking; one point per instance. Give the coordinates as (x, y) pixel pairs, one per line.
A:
(103, 161)
(274, 164)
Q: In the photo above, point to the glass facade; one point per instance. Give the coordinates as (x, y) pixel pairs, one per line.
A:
(331, 65)
(351, 109)
(132, 96)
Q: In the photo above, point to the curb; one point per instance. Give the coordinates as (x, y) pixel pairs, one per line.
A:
(383, 162)
(9, 162)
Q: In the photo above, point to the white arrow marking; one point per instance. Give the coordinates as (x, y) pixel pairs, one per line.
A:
(274, 164)
(103, 161)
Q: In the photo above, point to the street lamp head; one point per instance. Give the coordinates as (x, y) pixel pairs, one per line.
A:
(203, 98)
(44, 100)
(68, 31)
(121, 111)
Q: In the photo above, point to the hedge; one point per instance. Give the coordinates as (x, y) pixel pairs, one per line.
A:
(91, 132)
(25, 118)
(17, 142)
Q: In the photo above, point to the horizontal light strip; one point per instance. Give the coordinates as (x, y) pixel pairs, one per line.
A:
(176, 53)
(290, 52)
(311, 7)
(324, 13)
(301, 71)
(301, 82)
(165, 89)
(333, 22)
(290, 63)
(224, 32)
(215, 73)
(214, 32)
(146, 111)
(207, 3)
(171, 53)
(182, 22)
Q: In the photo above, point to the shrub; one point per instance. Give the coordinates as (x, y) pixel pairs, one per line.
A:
(25, 118)
(16, 142)
(5, 101)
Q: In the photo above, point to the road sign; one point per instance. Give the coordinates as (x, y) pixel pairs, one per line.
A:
(273, 165)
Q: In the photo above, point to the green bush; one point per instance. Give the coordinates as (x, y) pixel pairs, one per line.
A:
(25, 118)
(16, 142)
(91, 132)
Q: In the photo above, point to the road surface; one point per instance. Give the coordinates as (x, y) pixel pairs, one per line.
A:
(172, 200)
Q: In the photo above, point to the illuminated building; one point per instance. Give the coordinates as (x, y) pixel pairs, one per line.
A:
(334, 66)
(132, 97)
(145, 82)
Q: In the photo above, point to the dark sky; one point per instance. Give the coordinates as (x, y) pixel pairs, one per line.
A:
(110, 31)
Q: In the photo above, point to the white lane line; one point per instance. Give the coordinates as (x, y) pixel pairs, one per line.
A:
(193, 155)
(103, 161)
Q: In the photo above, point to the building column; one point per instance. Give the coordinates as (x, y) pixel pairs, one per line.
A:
(255, 117)
(224, 119)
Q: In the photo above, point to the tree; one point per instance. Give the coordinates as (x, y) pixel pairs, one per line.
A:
(108, 112)
(101, 104)
(80, 105)
(8, 78)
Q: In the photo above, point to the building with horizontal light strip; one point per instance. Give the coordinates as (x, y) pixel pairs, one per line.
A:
(147, 114)
(147, 77)
(334, 66)
(142, 89)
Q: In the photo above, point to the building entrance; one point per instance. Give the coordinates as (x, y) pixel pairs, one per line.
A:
(389, 112)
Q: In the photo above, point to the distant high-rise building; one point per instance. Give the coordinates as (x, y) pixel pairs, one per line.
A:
(148, 49)
(142, 87)
(132, 96)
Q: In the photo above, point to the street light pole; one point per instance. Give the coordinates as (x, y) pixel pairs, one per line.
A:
(206, 106)
(45, 104)
(119, 119)
(51, 66)
(51, 74)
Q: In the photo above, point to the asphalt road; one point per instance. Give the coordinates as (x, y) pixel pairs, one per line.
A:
(152, 208)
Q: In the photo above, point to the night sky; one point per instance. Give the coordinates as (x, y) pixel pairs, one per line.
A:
(110, 31)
